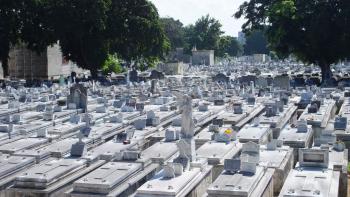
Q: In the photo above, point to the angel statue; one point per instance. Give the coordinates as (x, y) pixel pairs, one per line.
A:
(187, 124)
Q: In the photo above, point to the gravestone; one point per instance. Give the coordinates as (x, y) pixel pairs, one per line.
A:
(168, 171)
(140, 107)
(17, 118)
(272, 145)
(237, 108)
(152, 119)
(74, 119)
(101, 109)
(171, 134)
(156, 75)
(317, 102)
(232, 165)
(271, 110)
(340, 123)
(218, 121)
(164, 108)
(78, 149)
(219, 102)
(41, 107)
(203, 107)
(251, 100)
(118, 103)
(154, 86)
(78, 96)
(250, 157)
(116, 118)
(57, 108)
(140, 124)
(48, 116)
(280, 105)
(302, 126)
(282, 81)
(285, 99)
(312, 108)
(41, 133)
(133, 76)
(339, 146)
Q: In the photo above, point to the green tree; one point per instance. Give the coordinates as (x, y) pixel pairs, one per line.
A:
(9, 29)
(228, 45)
(81, 28)
(112, 64)
(24, 22)
(204, 34)
(142, 38)
(88, 30)
(315, 31)
(174, 31)
(256, 43)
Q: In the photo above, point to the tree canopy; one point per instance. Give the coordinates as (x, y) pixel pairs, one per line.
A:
(204, 34)
(87, 30)
(256, 43)
(315, 31)
(174, 30)
(228, 45)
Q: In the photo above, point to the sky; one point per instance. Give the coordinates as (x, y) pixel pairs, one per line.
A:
(188, 11)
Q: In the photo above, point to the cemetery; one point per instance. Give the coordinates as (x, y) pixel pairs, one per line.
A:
(177, 136)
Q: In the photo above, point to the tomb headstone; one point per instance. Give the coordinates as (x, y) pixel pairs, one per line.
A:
(203, 107)
(171, 135)
(131, 155)
(74, 119)
(237, 109)
(17, 118)
(78, 96)
(271, 110)
(140, 124)
(168, 171)
(41, 133)
(218, 121)
(140, 107)
(339, 146)
(232, 165)
(101, 109)
(219, 102)
(48, 116)
(340, 123)
(118, 103)
(312, 108)
(302, 126)
(41, 107)
(251, 100)
(272, 145)
(78, 149)
(133, 76)
(116, 118)
(164, 108)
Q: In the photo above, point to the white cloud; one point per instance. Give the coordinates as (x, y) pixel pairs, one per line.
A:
(188, 11)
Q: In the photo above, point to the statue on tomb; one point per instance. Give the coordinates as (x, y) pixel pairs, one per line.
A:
(187, 124)
(184, 154)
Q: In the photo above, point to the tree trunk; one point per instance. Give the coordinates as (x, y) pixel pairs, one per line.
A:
(93, 73)
(5, 68)
(326, 75)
